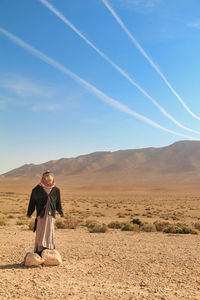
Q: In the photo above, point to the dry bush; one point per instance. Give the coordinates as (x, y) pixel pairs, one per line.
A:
(31, 224)
(116, 224)
(71, 223)
(10, 217)
(96, 227)
(98, 214)
(161, 225)
(148, 227)
(137, 221)
(130, 227)
(196, 225)
(22, 221)
(179, 228)
(120, 215)
(66, 223)
(81, 214)
(2, 222)
(88, 222)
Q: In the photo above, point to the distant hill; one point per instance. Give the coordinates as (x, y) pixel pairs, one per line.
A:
(178, 163)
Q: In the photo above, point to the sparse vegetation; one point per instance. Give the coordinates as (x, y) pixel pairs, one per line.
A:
(179, 228)
(66, 223)
(161, 225)
(137, 221)
(130, 227)
(31, 224)
(148, 227)
(2, 222)
(116, 225)
(10, 217)
(96, 227)
(120, 215)
(98, 214)
(197, 225)
(23, 220)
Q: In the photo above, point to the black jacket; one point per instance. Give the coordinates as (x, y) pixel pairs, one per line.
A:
(38, 200)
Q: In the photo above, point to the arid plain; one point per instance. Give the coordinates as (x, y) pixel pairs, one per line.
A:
(139, 262)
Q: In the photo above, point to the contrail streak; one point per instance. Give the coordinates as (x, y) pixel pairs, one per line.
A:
(103, 97)
(135, 42)
(121, 71)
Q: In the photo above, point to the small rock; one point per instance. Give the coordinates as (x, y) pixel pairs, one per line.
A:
(51, 257)
(32, 259)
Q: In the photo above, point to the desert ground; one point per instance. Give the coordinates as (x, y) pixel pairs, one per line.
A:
(115, 264)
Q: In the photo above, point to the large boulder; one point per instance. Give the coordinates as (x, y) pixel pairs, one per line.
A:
(51, 257)
(33, 259)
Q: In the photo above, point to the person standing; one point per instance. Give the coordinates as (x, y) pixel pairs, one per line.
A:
(45, 198)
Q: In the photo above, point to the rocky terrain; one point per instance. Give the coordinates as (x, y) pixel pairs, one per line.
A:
(115, 264)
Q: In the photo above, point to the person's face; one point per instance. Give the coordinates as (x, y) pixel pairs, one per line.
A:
(49, 178)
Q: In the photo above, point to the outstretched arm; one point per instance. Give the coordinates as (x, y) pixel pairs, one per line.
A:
(58, 204)
(31, 206)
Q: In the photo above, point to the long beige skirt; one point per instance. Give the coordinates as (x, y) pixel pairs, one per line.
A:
(45, 231)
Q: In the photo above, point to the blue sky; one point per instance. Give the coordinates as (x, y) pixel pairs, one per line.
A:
(45, 114)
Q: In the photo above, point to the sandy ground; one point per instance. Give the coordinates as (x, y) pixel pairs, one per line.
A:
(112, 265)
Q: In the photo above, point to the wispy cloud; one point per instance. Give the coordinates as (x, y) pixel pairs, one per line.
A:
(46, 107)
(4, 101)
(143, 52)
(91, 88)
(194, 24)
(23, 87)
(37, 95)
(142, 6)
(119, 69)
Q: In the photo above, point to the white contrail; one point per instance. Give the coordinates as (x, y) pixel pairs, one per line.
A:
(90, 87)
(147, 57)
(121, 71)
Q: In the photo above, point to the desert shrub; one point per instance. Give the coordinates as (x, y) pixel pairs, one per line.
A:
(179, 228)
(120, 215)
(67, 223)
(98, 214)
(161, 225)
(197, 225)
(130, 227)
(10, 217)
(31, 224)
(71, 223)
(2, 221)
(22, 221)
(175, 218)
(67, 215)
(97, 227)
(79, 213)
(149, 227)
(59, 223)
(148, 214)
(116, 224)
(137, 221)
(88, 222)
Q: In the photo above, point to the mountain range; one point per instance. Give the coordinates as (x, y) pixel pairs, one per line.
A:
(178, 163)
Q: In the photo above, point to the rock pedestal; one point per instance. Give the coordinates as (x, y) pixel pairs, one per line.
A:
(51, 257)
(33, 259)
